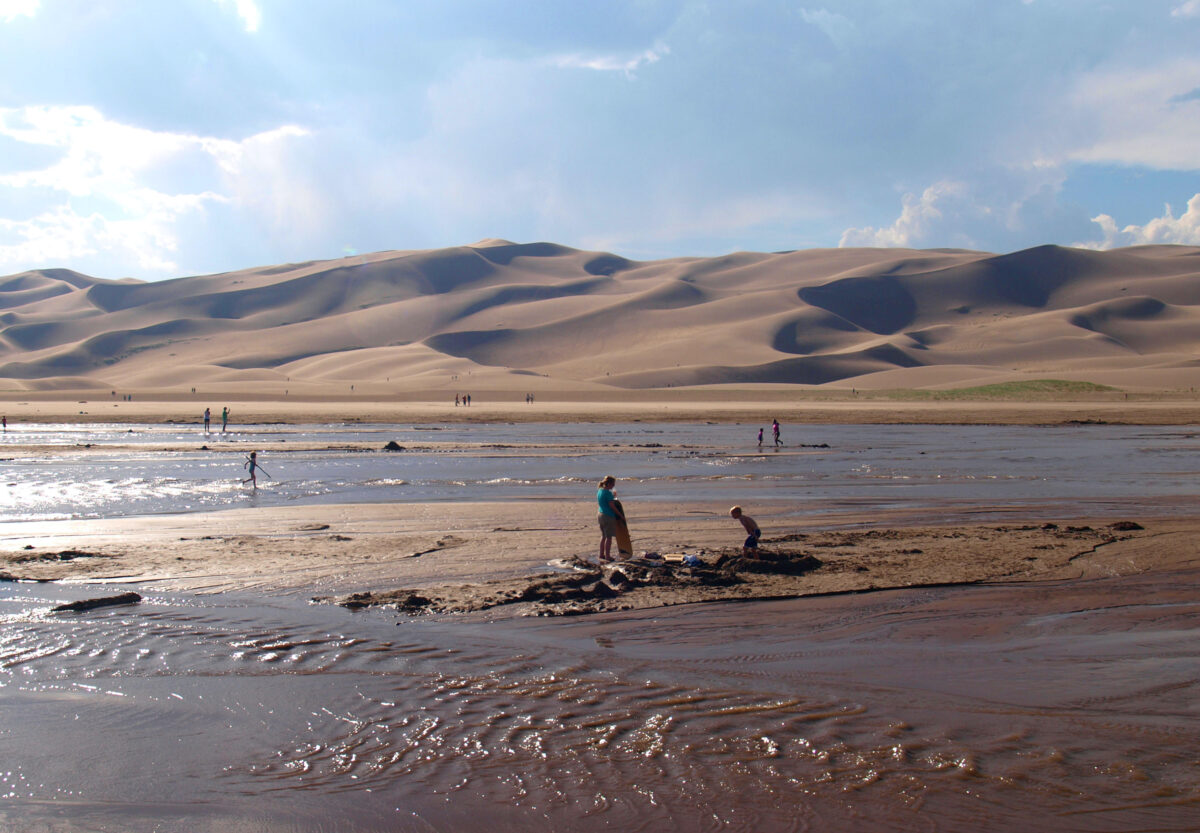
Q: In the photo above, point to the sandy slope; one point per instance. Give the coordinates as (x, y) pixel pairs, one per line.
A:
(504, 317)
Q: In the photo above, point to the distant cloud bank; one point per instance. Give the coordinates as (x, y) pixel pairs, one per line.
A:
(1184, 229)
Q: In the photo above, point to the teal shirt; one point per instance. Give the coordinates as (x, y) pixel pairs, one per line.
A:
(604, 497)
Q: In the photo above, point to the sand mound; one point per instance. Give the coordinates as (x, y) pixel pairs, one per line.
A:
(508, 315)
(796, 564)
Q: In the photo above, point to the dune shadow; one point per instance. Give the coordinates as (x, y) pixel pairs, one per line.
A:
(881, 305)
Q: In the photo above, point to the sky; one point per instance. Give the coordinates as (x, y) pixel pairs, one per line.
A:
(164, 138)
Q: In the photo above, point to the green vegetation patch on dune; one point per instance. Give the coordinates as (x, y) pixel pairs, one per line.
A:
(1032, 389)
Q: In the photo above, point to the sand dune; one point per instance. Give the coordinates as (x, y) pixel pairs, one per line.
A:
(540, 316)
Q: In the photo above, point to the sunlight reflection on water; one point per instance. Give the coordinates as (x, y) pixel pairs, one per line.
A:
(988, 464)
(221, 712)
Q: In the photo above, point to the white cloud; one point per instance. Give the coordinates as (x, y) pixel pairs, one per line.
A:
(1168, 228)
(1141, 116)
(63, 236)
(247, 10)
(1189, 9)
(277, 182)
(236, 157)
(838, 28)
(999, 209)
(12, 9)
(627, 64)
(917, 219)
(728, 220)
(110, 192)
(100, 156)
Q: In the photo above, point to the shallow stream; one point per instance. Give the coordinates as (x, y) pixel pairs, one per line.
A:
(104, 471)
(1049, 706)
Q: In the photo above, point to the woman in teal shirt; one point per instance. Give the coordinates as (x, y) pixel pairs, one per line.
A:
(607, 516)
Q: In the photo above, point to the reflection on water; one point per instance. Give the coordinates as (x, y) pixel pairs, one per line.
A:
(1066, 706)
(1063, 470)
(945, 709)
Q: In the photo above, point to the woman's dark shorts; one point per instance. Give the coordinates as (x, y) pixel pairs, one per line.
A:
(608, 525)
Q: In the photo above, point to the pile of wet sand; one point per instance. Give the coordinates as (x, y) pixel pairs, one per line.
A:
(785, 567)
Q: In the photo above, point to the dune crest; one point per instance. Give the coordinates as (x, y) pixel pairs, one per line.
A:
(541, 316)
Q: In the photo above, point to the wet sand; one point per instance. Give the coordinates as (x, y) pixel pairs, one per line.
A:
(1010, 706)
(538, 557)
(900, 670)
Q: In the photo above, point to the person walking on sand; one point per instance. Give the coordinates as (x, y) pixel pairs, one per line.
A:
(224, 418)
(607, 516)
(760, 438)
(753, 533)
(207, 419)
(252, 464)
(775, 432)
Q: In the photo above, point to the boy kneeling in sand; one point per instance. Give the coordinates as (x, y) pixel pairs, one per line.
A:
(750, 546)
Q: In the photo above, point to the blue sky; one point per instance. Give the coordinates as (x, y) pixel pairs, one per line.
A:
(159, 138)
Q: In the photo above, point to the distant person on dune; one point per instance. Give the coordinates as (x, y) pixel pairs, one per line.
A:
(750, 545)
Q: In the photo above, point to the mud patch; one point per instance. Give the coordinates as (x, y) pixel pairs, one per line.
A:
(101, 601)
(444, 543)
(799, 564)
(771, 563)
(50, 566)
(635, 583)
(61, 555)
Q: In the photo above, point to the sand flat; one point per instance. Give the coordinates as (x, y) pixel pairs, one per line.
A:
(470, 555)
(750, 406)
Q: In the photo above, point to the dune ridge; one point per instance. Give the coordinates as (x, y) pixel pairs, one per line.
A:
(542, 316)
